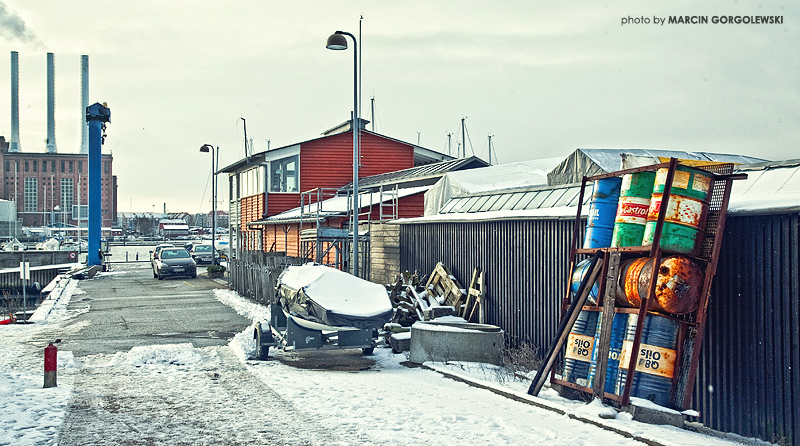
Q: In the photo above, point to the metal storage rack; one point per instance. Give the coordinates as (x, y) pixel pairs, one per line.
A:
(690, 335)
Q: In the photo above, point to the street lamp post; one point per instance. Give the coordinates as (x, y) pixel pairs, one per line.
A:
(336, 41)
(57, 210)
(209, 148)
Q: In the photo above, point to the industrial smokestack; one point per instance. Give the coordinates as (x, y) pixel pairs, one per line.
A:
(84, 103)
(51, 104)
(14, 145)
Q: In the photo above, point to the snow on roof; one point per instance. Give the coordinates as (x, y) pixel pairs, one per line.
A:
(176, 227)
(486, 179)
(338, 291)
(769, 187)
(340, 205)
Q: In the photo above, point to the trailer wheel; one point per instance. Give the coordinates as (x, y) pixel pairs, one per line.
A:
(262, 351)
(367, 351)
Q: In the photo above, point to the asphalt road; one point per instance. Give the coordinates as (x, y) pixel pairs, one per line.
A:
(217, 403)
(132, 308)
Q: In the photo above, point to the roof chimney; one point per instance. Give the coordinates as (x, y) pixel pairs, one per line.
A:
(14, 145)
(84, 103)
(51, 104)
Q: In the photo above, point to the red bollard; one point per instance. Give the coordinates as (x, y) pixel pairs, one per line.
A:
(50, 365)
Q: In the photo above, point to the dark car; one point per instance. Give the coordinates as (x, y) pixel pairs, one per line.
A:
(203, 253)
(174, 262)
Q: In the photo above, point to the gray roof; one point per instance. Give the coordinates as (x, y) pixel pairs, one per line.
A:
(431, 172)
(521, 199)
(590, 162)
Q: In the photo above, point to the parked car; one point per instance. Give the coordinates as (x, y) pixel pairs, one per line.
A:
(174, 262)
(203, 253)
(156, 250)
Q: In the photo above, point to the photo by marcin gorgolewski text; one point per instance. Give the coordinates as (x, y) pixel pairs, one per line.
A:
(704, 20)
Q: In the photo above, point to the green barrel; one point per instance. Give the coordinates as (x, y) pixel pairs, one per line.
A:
(687, 210)
(634, 202)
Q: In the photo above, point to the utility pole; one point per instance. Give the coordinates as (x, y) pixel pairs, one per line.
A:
(463, 137)
(490, 149)
(372, 112)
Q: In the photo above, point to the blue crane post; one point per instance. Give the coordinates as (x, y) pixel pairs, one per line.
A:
(96, 117)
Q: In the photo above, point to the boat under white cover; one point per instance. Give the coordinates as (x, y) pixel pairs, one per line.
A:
(331, 297)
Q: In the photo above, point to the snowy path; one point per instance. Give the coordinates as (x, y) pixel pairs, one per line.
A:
(180, 394)
(186, 396)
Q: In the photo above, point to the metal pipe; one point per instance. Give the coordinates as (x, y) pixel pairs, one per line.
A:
(14, 145)
(84, 103)
(51, 104)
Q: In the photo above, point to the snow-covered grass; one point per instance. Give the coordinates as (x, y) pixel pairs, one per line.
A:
(385, 402)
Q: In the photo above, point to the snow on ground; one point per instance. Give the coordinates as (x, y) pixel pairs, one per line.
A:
(386, 403)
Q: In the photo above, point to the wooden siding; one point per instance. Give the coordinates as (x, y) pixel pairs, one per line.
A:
(251, 208)
(328, 162)
(281, 202)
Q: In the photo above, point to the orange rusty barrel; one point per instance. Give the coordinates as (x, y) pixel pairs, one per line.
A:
(678, 284)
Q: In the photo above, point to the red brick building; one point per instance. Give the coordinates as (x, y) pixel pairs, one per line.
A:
(39, 182)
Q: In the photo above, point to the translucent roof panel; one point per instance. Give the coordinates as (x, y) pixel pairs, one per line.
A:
(570, 197)
(452, 204)
(551, 200)
(467, 204)
(512, 200)
(488, 204)
(523, 202)
(501, 201)
(478, 204)
(537, 201)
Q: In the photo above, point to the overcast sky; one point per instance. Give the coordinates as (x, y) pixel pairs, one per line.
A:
(541, 77)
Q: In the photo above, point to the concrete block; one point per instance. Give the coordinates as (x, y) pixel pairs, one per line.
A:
(400, 342)
(652, 414)
(447, 341)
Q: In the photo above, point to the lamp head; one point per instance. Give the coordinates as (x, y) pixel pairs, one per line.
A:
(336, 41)
(206, 148)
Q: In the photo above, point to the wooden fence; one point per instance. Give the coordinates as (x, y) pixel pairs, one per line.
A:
(254, 274)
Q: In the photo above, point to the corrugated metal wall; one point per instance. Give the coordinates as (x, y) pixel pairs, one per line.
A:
(748, 381)
(749, 375)
(526, 265)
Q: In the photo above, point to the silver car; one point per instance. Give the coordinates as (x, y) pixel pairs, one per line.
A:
(202, 254)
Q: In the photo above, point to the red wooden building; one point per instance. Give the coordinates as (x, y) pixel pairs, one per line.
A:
(274, 182)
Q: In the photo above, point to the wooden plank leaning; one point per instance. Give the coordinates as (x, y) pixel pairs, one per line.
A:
(567, 322)
(603, 345)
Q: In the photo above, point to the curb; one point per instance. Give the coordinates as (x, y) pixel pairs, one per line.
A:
(529, 400)
(533, 401)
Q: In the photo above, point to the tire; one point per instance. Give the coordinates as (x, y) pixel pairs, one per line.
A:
(367, 351)
(160, 277)
(262, 351)
(194, 276)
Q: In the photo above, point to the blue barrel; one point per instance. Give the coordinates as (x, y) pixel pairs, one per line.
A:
(602, 213)
(578, 359)
(581, 269)
(619, 328)
(656, 360)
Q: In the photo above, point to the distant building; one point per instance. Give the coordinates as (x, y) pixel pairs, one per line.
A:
(48, 188)
(8, 220)
(170, 227)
